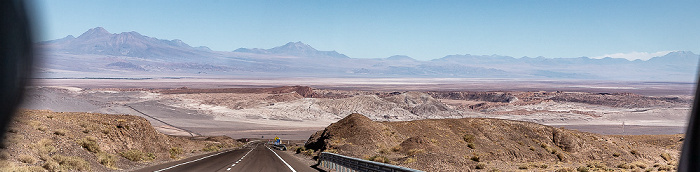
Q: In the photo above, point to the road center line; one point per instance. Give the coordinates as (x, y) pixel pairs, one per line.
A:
(239, 160)
(285, 162)
(191, 161)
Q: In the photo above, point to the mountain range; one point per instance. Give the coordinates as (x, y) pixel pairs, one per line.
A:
(99, 53)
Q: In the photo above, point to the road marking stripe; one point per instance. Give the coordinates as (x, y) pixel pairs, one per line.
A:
(239, 160)
(190, 161)
(285, 162)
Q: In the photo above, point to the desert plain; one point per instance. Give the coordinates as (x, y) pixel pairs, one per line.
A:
(295, 108)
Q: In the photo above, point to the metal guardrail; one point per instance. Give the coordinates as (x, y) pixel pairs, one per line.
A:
(279, 147)
(349, 164)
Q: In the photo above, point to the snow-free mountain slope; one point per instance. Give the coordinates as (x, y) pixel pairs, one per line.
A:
(99, 53)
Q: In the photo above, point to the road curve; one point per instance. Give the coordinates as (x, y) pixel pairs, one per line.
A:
(256, 157)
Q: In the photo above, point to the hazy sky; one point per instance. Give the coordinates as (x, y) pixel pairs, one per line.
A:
(376, 29)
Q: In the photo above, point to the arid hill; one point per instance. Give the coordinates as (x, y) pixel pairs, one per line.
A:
(40, 140)
(488, 144)
(623, 100)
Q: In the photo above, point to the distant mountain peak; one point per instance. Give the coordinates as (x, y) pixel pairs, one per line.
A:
(298, 49)
(399, 57)
(94, 32)
(681, 53)
(100, 41)
(291, 46)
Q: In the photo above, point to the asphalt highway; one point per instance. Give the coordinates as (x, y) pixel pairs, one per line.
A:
(254, 158)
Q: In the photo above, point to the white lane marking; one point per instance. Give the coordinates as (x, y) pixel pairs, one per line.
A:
(285, 162)
(191, 161)
(239, 160)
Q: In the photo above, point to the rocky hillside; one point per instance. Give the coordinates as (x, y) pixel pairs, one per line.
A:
(40, 140)
(488, 144)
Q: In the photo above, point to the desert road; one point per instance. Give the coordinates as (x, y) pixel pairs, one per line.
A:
(255, 157)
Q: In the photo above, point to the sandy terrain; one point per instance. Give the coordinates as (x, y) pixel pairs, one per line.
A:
(160, 109)
(202, 107)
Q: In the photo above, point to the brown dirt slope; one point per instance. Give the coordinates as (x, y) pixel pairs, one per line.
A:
(40, 140)
(478, 143)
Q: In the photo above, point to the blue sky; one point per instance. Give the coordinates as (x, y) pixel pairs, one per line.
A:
(377, 29)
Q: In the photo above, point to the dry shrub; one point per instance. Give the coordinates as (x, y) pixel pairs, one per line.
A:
(666, 156)
(331, 150)
(542, 165)
(26, 159)
(175, 152)
(471, 145)
(71, 163)
(565, 170)
(379, 158)
(597, 164)
(106, 159)
(672, 163)
(45, 146)
(523, 166)
(666, 168)
(33, 124)
(468, 138)
(41, 128)
(625, 166)
(616, 154)
(640, 165)
(383, 151)
(60, 132)
(396, 148)
(51, 166)
(634, 152)
(137, 155)
(561, 156)
(26, 169)
(4, 155)
(583, 169)
(90, 144)
(45, 157)
(480, 165)
(309, 152)
(106, 130)
(409, 160)
(414, 152)
(211, 148)
(475, 158)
